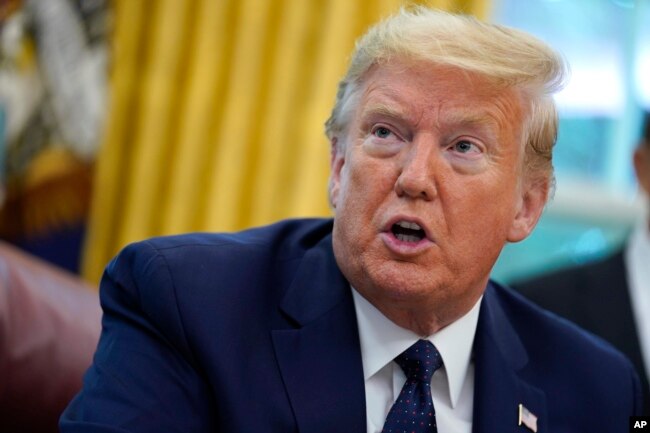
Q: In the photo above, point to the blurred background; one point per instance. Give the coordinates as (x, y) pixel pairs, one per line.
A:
(125, 119)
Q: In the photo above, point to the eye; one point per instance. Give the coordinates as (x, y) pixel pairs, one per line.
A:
(381, 132)
(465, 146)
(382, 140)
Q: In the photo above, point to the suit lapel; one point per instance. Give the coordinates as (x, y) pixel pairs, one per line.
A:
(320, 361)
(499, 356)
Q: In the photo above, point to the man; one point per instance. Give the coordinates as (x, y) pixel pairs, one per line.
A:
(382, 319)
(610, 297)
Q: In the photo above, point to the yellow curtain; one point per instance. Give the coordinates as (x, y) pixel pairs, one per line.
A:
(216, 114)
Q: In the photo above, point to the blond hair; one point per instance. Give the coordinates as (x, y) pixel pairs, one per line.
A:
(505, 56)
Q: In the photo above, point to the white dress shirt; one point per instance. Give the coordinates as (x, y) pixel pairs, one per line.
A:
(637, 263)
(452, 386)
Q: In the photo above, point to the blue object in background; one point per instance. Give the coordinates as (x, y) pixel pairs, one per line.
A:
(558, 242)
(61, 247)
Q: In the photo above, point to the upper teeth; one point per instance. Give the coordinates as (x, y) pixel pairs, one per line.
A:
(409, 225)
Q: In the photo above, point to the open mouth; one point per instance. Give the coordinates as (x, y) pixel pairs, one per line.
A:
(406, 231)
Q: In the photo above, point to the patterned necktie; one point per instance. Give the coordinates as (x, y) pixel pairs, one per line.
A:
(413, 410)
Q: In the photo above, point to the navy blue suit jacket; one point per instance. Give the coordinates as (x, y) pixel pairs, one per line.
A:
(256, 332)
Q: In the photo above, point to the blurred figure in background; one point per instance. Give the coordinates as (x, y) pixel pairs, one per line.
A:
(53, 80)
(610, 297)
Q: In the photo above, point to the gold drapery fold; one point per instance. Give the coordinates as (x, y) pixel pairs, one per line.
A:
(216, 114)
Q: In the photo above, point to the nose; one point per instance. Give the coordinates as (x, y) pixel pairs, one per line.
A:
(417, 177)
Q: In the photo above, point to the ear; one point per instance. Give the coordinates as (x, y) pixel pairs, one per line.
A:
(337, 160)
(532, 200)
(642, 167)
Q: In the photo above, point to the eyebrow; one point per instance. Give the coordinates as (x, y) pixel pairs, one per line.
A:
(384, 110)
(473, 119)
(483, 120)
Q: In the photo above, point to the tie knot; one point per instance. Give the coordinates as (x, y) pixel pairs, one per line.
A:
(420, 361)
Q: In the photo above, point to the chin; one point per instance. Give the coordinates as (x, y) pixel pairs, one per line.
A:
(402, 282)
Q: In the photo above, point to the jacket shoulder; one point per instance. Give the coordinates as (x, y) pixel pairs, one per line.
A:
(283, 236)
(209, 257)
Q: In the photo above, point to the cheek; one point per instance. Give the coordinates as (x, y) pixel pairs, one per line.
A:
(365, 186)
(368, 181)
(353, 198)
(486, 208)
(480, 230)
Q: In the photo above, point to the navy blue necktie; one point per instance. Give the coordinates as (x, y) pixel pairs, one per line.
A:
(413, 410)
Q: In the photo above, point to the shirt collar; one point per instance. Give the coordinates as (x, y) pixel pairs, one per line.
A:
(382, 340)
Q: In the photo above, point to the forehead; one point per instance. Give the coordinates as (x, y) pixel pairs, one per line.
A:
(439, 95)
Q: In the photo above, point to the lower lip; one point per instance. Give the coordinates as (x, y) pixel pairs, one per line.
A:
(404, 248)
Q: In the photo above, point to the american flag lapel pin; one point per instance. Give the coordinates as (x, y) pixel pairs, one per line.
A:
(527, 418)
